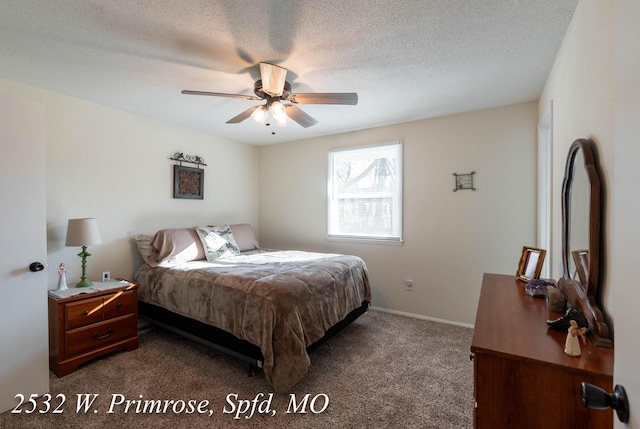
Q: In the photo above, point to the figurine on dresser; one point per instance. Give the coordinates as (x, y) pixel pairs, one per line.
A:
(572, 344)
(62, 277)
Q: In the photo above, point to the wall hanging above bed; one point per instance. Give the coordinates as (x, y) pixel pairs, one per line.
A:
(188, 182)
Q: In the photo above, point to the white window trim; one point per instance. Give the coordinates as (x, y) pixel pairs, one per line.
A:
(392, 241)
(545, 181)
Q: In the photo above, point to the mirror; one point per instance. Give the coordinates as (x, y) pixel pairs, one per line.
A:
(581, 238)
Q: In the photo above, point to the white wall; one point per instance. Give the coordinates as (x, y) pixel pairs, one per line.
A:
(581, 85)
(596, 93)
(113, 165)
(450, 238)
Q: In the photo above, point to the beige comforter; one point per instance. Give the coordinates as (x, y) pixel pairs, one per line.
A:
(281, 301)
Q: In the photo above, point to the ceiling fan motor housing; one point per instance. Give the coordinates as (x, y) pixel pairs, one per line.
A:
(257, 89)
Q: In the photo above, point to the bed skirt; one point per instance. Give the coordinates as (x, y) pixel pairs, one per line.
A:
(224, 341)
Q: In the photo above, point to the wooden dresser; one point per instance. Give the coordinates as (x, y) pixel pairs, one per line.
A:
(87, 325)
(522, 377)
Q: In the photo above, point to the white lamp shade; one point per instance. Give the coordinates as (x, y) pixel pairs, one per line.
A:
(279, 113)
(83, 232)
(260, 114)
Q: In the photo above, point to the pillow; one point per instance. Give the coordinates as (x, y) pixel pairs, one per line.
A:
(176, 246)
(245, 237)
(218, 242)
(143, 241)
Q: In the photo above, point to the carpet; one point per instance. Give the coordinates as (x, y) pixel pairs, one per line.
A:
(382, 371)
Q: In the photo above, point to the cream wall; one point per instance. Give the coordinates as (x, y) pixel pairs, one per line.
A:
(113, 165)
(595, 91)
(450, 238)
(581, 85)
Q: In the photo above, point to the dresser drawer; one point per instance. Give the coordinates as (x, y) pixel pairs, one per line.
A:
(100, 334)
(83, 313)
(119, 304)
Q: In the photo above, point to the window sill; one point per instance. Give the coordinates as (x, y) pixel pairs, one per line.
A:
(366, 240)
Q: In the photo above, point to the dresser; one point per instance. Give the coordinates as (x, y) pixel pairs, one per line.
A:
(85, 325)
(522, 377)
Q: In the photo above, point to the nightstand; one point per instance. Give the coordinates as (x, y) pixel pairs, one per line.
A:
(90, 322)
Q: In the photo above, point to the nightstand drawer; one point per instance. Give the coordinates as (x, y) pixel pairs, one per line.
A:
(83, 312)
(100, 334)
(119, 304)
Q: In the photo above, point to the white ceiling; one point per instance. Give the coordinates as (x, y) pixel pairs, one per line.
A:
(407, 60)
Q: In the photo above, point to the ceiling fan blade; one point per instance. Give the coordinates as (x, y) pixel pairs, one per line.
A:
(350, 98)
(295, 113)
(242, 116)
(273, 78)
(221, 94)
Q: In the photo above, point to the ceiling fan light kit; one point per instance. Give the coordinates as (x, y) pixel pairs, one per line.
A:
(260, 114)
(278, 113)
(274, 88)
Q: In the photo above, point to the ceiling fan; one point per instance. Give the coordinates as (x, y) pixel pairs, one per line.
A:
(273, 88)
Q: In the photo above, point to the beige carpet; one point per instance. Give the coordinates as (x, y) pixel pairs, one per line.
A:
(382, 371)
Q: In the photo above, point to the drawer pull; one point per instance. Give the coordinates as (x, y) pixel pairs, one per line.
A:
(97, 336)
(85, 313)
(119, 305)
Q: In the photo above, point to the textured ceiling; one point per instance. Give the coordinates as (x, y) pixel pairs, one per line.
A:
(407, 60)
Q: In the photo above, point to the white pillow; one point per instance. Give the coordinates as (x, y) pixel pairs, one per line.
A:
(218, 242)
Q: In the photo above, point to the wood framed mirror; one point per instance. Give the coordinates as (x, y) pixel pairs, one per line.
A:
(581, 230)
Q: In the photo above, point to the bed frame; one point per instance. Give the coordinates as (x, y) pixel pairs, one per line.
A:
(224, 341)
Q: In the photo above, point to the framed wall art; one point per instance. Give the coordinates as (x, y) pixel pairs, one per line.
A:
(188, 182)
(464, 181)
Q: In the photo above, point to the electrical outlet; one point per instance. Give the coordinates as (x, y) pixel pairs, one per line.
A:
(106, 276)
(408, 284)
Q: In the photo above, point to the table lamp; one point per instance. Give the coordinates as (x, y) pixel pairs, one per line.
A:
(83, 232)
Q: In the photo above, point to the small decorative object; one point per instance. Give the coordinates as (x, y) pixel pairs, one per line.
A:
(188, 182)
(556, 300)
(530, 264)
(464, 181)
(62, 278)
(572, 345)
(562, 324)
(83, 232)
(191, 159)
(538, 287)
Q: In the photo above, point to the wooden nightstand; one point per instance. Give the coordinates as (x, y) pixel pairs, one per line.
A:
(88, 324)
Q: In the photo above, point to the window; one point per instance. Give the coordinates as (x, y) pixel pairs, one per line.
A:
(365, 193)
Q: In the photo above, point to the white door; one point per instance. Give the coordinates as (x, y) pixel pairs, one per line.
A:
(24, 350)
(625, 254)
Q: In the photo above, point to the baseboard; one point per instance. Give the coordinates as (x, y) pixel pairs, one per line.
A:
(419, 316)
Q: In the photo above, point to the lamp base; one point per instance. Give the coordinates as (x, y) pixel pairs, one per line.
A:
(84, 283)
(83, 279)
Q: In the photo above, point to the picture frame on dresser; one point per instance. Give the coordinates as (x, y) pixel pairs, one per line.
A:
(531, 262)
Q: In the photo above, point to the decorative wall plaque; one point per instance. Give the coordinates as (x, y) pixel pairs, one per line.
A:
(464, 181)
(188, 182)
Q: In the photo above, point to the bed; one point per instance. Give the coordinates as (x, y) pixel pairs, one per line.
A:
(271, 307)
